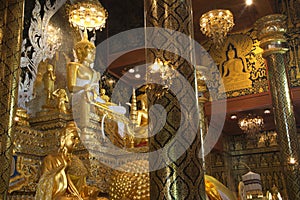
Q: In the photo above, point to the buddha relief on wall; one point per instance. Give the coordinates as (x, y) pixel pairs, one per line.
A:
(241, 65)
(234, 71)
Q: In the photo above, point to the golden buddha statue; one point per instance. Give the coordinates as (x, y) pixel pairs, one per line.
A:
(80, 74)
(62, 100)
(83, 83)
(142, 114)
(83, 80)
(49, 80)
(139, 118)
(63, 174)
(103, 95)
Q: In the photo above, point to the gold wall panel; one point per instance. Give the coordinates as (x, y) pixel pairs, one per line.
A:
(240, 64)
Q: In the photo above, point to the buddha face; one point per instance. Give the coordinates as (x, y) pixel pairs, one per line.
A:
(231, 54)
(71, 139)
(49, 68)
(90, 57)
(85, 51)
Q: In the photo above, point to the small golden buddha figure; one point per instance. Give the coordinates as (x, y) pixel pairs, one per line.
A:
(49, 80)
(275, 193)
(273, 139)
(142, 113)
(141, 129)
(63, 174)
(103, 95)
(261, 141)
(62, 100)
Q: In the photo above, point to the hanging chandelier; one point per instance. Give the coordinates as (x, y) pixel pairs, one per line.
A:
(251, 124)
(163, 70)
(215, 24)
(160, 72)
(88, 14)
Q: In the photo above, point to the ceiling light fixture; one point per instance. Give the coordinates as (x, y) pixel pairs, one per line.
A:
(233, 117)
(164, 70)
(249, 2)
(131, 71)
(215, 24)
(251, 124)
(88, 14)
(137, 76)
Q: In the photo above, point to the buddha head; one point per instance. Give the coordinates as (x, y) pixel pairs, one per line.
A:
(231, 52)
(102, 91)
(49, 68)
(85, 51)
(70, 137)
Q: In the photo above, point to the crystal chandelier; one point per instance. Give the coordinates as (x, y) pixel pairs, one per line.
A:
(88, 14)
(215, 24)
(164, 70)
(251, 124)
(160, 72)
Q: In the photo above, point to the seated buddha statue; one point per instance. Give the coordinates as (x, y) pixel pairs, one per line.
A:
(83, 83)
(234, 73)
(64, 174)
(142, 113)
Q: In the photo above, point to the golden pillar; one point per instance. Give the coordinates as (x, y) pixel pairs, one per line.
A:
(271, 30)
(11, 26)
(183, 178)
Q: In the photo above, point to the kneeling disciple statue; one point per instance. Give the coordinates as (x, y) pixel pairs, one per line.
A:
(64, 174)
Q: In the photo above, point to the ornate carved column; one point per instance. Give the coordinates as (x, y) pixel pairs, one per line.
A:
(183, 178)
(271, 30)
(11, 26)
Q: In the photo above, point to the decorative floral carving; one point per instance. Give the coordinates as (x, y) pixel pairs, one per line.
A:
(42, 44)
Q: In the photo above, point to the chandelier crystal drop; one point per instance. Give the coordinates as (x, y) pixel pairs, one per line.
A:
(88, 14)
(251, 124)
(215, 24)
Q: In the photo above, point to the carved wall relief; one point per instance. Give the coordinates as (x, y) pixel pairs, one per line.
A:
(241, 64)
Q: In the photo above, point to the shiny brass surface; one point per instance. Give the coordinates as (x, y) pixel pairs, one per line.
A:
(180, 179)
(11, 25)
(271, 31)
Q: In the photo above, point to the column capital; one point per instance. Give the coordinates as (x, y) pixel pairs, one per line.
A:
(270, 31)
